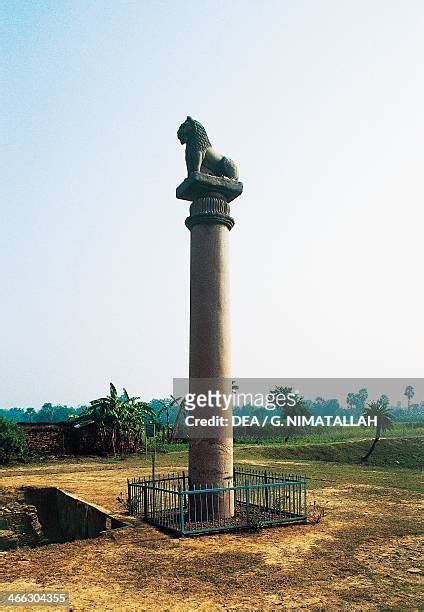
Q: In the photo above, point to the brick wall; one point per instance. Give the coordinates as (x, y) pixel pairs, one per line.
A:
(53, 438)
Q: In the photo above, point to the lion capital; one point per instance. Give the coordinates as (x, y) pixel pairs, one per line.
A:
(200, 156)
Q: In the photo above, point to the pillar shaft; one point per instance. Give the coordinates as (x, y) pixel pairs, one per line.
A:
(210, 457)
(209, 302)
(211, 447)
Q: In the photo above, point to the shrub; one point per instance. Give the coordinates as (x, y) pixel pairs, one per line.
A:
(315, 513)
(12, 441)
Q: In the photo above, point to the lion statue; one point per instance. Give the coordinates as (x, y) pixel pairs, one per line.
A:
(199, 154)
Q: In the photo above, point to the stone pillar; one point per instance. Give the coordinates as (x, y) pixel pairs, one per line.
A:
(211, 447)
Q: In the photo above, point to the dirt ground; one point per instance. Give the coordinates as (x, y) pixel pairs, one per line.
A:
(365, 554)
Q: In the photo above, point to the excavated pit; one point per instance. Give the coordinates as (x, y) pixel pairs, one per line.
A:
(37, 516)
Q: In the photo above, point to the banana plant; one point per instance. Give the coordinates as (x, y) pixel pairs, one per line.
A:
(120, 420)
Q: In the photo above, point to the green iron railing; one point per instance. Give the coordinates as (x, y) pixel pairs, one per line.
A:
(254, 499)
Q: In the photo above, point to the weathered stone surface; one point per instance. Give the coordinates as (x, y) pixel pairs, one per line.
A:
(8, 540)
(199, 184)
(209, 303)
(66, 517)
(212, 209)
(21, 520)
(211, 184)
(213, 203)
(210, 458)
(200, 154)
(49, 438)
(60, 439)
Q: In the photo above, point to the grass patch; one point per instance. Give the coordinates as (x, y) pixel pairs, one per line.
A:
(320, 474)
(326, 435)
(402, 452)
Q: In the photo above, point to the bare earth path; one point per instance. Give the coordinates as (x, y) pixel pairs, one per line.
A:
(364, 555)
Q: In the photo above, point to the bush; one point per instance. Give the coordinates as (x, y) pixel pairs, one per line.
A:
(12, 441)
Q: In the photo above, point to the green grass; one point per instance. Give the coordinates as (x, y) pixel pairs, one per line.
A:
(317, 435)
(320, 474)
(341, 467)
(325, 435)
(402, 452)
(323, 472)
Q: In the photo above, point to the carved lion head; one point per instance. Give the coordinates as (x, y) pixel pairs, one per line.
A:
(193, 133)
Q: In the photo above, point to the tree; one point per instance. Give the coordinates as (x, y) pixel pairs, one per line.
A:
(409, 392)
(379, 409)
(166, 406)
(362, 397)
(119, 419)
(14, 414)
(350, 401)
(12, 441)
(324, 407)
(180, 402)
(46, 413)
(356, 401)
(133, 414)
(290, 406)
(384, 398)
(30, 412)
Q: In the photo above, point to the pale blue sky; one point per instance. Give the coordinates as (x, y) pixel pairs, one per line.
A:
(321, 104)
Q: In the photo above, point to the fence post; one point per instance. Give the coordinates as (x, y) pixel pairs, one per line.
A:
(153, 466)
(181, 507)
(145, 509)
(184, 489)
(266, 491)
(305, 509)
(247, 503)
(154, 500)
(129, 496)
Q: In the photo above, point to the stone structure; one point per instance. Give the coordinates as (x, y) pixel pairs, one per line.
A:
(49, 438)
(19, 526)
(210, 192)
(61, 438)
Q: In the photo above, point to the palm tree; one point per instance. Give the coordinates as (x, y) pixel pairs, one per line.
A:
(166, 406)
(298, 409)
(381, 410)
(409, 392)
(180, 402)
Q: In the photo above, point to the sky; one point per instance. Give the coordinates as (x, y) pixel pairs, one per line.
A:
(321, 105)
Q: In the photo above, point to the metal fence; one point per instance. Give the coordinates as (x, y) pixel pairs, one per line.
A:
(254, 499)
